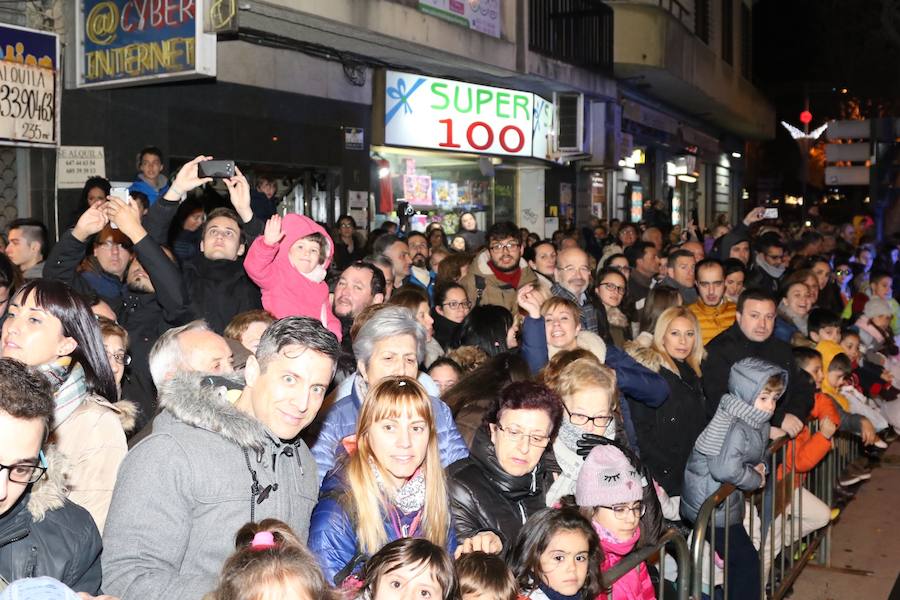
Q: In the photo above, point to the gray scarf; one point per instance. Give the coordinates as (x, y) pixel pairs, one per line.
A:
(775, 272)
(799, 322)
(565, 450)
(731, 408)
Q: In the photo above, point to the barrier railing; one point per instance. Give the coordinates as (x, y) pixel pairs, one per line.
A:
(786, 533)
(670, 540)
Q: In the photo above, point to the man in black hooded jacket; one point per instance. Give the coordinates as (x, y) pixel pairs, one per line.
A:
(751, 336)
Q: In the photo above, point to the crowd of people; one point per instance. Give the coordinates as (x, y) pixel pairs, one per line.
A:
(220, 402)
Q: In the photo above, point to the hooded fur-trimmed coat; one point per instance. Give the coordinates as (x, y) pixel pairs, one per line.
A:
(184, 491)
(44, 534)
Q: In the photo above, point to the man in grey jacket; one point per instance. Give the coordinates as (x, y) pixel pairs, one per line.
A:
(223, 452)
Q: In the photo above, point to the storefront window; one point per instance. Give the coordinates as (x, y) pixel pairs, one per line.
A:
(440, 187)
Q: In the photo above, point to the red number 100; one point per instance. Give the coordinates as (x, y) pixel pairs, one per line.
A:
(503, 138)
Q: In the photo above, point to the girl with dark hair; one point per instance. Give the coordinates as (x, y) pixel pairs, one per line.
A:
(52, 328)
(410, 568)
(349, 243)
(504, 479)
(735, 276)
(94, 192)
(186, 231)
(468, 230)
(557, 556)
(491, 328)
(611, 286)
(617, 495)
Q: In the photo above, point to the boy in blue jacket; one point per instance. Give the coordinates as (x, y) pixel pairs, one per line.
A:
(732, 450)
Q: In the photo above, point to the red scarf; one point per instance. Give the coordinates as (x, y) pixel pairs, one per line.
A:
(510, 278)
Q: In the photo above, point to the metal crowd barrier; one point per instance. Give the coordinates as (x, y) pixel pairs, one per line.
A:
(776, 529)
(670, 540)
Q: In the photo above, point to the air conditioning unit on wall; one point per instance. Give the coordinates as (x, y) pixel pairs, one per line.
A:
(570, 122)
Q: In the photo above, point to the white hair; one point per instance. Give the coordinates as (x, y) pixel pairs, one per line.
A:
(166, 356)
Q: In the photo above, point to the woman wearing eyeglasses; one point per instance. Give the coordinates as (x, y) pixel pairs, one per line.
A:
(612, 323)
(451, 306)
(51, 328)
(590, 404)
(115, 343)
(504, 480)
(349, 244)
(666, 434)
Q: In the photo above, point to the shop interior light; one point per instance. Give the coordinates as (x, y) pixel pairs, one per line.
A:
(736, 155)
(687, 178)
(384, 172)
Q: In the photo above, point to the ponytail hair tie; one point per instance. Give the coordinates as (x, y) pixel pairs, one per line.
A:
(263, 540)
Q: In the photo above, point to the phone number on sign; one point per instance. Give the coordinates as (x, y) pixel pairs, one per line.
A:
(23, 103)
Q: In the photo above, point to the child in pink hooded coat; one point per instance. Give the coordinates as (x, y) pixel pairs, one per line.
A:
(289, 264)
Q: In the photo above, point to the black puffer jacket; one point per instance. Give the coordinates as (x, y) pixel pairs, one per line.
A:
(46, 535)
(219, 289)
(666, 434)
(484, 497)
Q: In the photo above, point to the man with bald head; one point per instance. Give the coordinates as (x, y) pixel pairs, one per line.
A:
(654, 236)
(573, 279)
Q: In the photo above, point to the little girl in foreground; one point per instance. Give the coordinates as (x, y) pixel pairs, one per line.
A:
(289, 264)
(410, 569)
(557, 557)
(270, 563)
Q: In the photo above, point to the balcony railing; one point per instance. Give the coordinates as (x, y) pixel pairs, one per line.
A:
(578, 32)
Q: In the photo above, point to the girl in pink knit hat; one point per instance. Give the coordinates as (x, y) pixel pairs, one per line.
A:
(614, 493)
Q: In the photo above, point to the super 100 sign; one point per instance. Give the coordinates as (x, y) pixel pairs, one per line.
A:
(426, 112)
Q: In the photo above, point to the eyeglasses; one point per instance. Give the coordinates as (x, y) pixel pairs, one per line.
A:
(109, 245)
(538, 441)
(498, 247)
(612, 288)
(843, 272)
(623, 268)
(119, 357)
(346, 225)
(620, 511)
(579, 419)
(25, 473)
(454, 305)
(584, 270)
(775, 256)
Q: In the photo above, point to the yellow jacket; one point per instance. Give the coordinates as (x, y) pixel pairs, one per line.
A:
(713, 319)
(829, 350)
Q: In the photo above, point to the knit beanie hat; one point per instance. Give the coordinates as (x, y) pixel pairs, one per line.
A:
(876, 307)
(608, 478)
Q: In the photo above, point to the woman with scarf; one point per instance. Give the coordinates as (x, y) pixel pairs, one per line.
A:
(504, 480)
(793, 310)
(389, 485)
(51, 328)
(590, 402)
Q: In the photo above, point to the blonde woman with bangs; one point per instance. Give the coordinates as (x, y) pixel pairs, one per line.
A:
(391, 485)
(666, 434)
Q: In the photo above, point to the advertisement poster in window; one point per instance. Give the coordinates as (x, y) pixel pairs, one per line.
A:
(28, 90)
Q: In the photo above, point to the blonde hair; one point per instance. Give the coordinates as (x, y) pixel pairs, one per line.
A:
(582, 374)
(662, 325)
(554, 302)
(364, 499)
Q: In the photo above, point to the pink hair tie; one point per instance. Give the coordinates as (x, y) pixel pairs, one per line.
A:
(263, 540)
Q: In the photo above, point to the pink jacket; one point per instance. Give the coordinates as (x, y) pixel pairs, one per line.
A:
(633, 585)
(285, 291)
